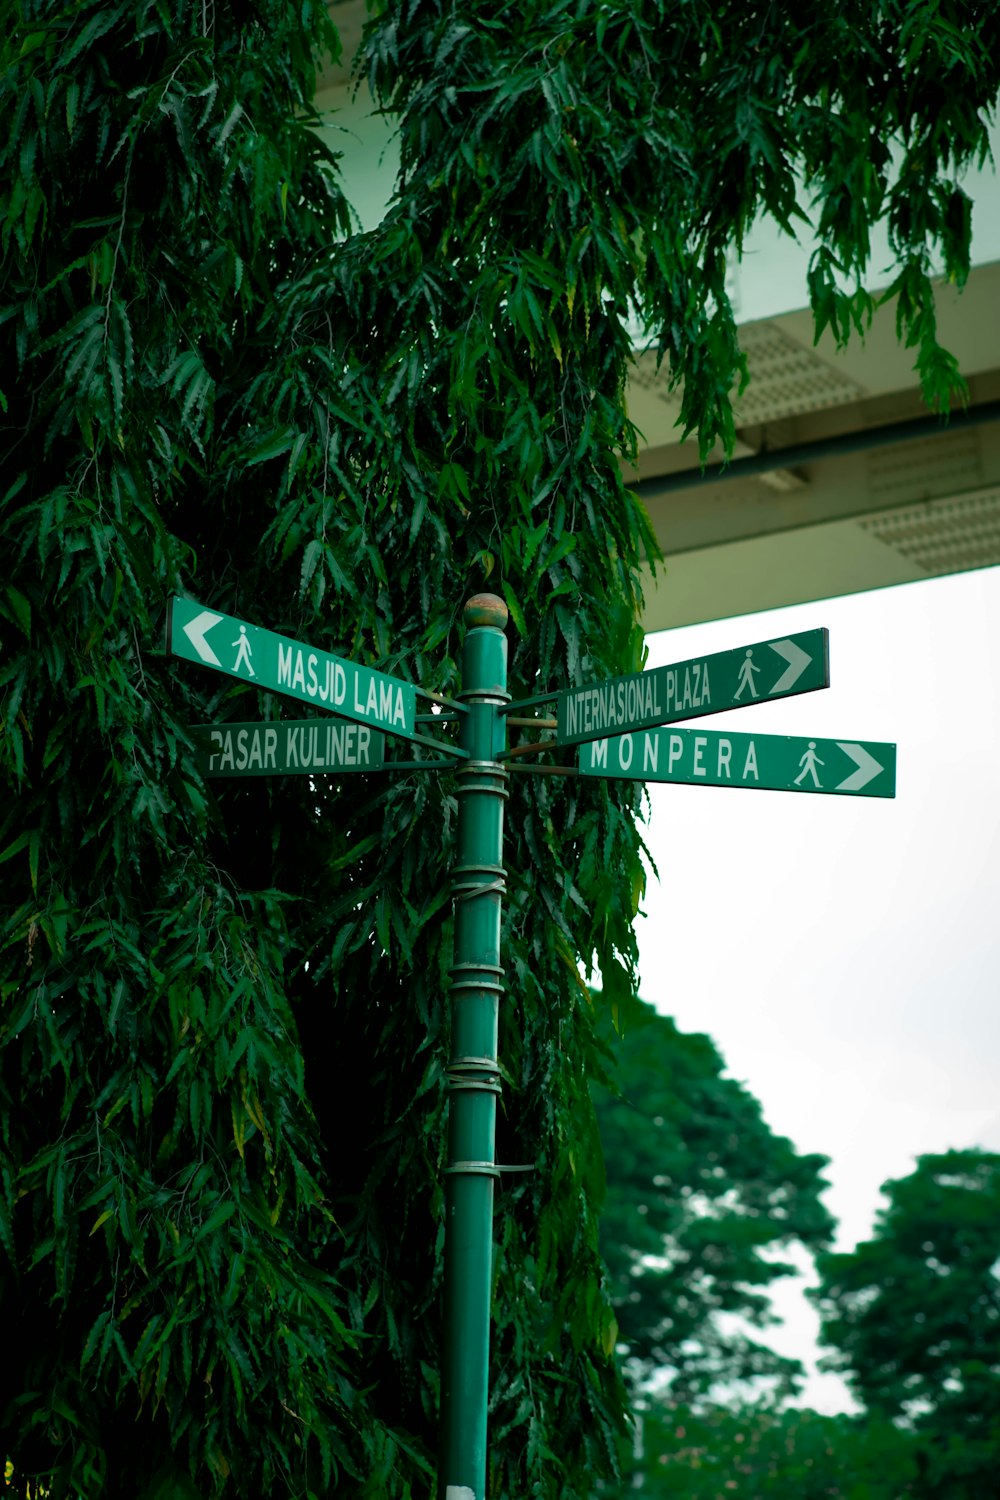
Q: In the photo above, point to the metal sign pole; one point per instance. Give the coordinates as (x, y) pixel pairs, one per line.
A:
(473, 1075)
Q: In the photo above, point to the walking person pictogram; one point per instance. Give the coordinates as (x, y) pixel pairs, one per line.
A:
(243, 654)
(747, 673)
(810, 760)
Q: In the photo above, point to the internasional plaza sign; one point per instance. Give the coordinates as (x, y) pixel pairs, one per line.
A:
(691, 689)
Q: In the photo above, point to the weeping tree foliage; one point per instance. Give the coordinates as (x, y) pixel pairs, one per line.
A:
(702, 1197)
(222, 1022)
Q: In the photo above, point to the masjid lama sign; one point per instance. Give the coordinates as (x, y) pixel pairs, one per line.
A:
(266, 660)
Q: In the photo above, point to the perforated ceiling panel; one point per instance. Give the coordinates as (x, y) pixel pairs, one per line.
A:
(943, 536)
(646, 377)
(927, 469)
(785, 379)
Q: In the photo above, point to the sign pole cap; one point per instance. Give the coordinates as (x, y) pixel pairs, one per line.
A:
(485, 611)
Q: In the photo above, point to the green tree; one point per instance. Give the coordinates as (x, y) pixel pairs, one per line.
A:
(758, 1453)
(174, 1315)
(218, 1271)
(700, 1195)
(914, 1317)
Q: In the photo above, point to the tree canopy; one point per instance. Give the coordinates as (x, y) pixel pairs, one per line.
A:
(759, 1453)
(913, 1315)
(700, 1195)
(218, 1271)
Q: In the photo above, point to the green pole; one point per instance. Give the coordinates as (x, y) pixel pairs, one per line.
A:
(473, 1076)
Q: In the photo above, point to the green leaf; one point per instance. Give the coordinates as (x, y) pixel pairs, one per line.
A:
(516, 613)
(270, 446)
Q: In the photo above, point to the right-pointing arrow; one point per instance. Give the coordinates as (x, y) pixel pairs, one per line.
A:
(797, 660)
(196, 631)
(868, 767)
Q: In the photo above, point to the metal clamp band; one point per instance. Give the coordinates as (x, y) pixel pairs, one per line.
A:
(467, 892)
(475, 987)
(493, 778)
(480, 1074)
(495, 694)
(495, 875)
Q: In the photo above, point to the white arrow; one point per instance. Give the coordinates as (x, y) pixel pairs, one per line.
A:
(867, 766)
(196, 631)
(797, 660)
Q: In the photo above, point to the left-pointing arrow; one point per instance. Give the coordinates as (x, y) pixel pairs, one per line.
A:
(868, 768)
(797, 660)
(196, 631)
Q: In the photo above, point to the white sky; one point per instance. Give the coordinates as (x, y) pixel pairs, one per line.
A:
(844, 952)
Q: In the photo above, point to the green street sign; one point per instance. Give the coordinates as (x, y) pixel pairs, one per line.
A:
(285, 666)
(778, 762)
(288, 747)
(690, 689)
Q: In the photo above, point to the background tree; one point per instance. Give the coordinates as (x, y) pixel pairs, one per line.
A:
(759, 1453)
(229, 1270)
(914, 1317)
(700, 1194)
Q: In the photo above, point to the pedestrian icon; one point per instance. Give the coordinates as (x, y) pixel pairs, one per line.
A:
(243, 654)
(747, 673)
(809, 762)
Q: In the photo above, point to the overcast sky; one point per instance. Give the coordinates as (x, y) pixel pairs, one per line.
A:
(843, 951)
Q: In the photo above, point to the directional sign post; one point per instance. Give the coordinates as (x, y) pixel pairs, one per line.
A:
(275, 662)
(288, 747)
(691, 689)
(618, 726)
(779, 762)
